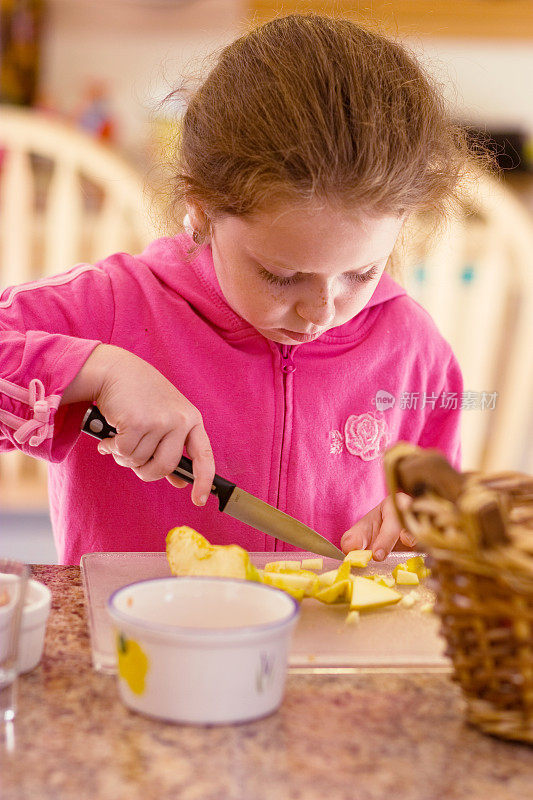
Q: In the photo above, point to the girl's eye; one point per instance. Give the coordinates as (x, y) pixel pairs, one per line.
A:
(363, 277)
(277, 280)
(353, 277)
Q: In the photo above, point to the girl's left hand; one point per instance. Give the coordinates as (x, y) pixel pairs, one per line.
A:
(379, 530)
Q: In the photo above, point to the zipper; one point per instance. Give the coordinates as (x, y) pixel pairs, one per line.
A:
(287, 360)
(287, 367)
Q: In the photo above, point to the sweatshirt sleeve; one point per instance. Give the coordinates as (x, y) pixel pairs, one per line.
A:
(442, 429)
(48, 329)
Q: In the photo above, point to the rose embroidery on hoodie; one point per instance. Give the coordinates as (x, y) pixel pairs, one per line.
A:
(365, 435)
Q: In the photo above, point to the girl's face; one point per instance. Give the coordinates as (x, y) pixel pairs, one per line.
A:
(295, 274)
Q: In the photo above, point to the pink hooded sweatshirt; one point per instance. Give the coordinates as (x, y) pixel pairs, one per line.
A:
(302, 427)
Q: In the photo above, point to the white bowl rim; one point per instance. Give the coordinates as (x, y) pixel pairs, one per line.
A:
(202, 632)
(44, 596)
(42, 599)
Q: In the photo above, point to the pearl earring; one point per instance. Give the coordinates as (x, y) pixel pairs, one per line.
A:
(189, 228)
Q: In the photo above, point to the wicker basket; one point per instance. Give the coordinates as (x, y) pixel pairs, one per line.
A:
(478, 530)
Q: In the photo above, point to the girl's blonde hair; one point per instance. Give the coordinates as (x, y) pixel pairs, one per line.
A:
(312, 109)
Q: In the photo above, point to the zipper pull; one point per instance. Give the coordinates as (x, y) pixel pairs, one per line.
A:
(287, 363)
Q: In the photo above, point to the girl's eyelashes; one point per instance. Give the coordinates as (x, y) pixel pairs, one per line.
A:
(352, 277)
(277, 279)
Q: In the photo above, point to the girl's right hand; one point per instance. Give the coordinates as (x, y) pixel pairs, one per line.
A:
(154, 422)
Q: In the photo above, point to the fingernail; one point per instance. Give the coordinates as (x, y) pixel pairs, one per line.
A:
(101, 450)
(201, 500)
(379, 555)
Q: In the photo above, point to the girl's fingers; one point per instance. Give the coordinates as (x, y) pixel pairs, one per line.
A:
(360, 535)
(145, 449)
(140, 454)
(122, 444)
(164, 460)
(404, 501)
(407, 538)
(389, 531)
(179, 483)
(203, 463)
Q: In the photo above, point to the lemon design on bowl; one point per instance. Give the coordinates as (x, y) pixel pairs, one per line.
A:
(132, 663)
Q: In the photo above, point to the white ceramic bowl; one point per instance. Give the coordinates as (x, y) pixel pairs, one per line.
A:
(202, 650)
(33, 625)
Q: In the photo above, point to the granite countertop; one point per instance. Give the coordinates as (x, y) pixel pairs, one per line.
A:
(351, 737)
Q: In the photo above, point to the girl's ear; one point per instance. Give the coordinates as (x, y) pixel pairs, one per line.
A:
(198, 219)
(196, 215)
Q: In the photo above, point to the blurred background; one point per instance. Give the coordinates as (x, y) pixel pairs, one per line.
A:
(83, 137)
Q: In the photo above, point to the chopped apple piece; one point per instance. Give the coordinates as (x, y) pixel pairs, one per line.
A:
(405, 578)
(189, 553)
(407, 601)
(296, 592)
(367, 594)
(403, 565)
(312, 563)
(416, 564)
(313, 588)
(293, 584)
(338, 592)
(293, 565)
(343, 572)
(282, 566)
(352, 618)
(327, 578)
(358, 558)
(387, 580)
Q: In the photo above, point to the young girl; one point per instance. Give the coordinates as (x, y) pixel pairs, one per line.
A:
(267, 340)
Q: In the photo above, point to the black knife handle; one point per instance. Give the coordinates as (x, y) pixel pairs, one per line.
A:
(95, 424)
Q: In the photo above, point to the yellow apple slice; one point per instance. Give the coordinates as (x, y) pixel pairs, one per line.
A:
(312, 563)
(282, 566)
(352, 618)
(389, 581)
(405, 578)
(343, 572)
(358, 558)
(327, 578)
(385, 580)
(403, 566)
(295, 585)
(296, 592)
(338, 592)
(416, 564)
(367, 594)
(189, 553)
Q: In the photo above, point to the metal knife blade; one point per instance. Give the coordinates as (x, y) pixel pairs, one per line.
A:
(260, 515)
(236, 502)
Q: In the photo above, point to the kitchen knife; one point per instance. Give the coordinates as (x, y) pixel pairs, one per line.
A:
(236, 502)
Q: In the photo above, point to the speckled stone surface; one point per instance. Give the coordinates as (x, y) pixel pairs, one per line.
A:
(361, 737)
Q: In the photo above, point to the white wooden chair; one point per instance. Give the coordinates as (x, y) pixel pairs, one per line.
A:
(477, 283)
(64, 199)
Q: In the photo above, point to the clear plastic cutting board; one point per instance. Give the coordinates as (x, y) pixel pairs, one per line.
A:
(390, 639)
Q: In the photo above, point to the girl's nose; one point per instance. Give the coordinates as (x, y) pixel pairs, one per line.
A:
(318, 311)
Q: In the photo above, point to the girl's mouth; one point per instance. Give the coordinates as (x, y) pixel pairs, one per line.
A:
(300, 337)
